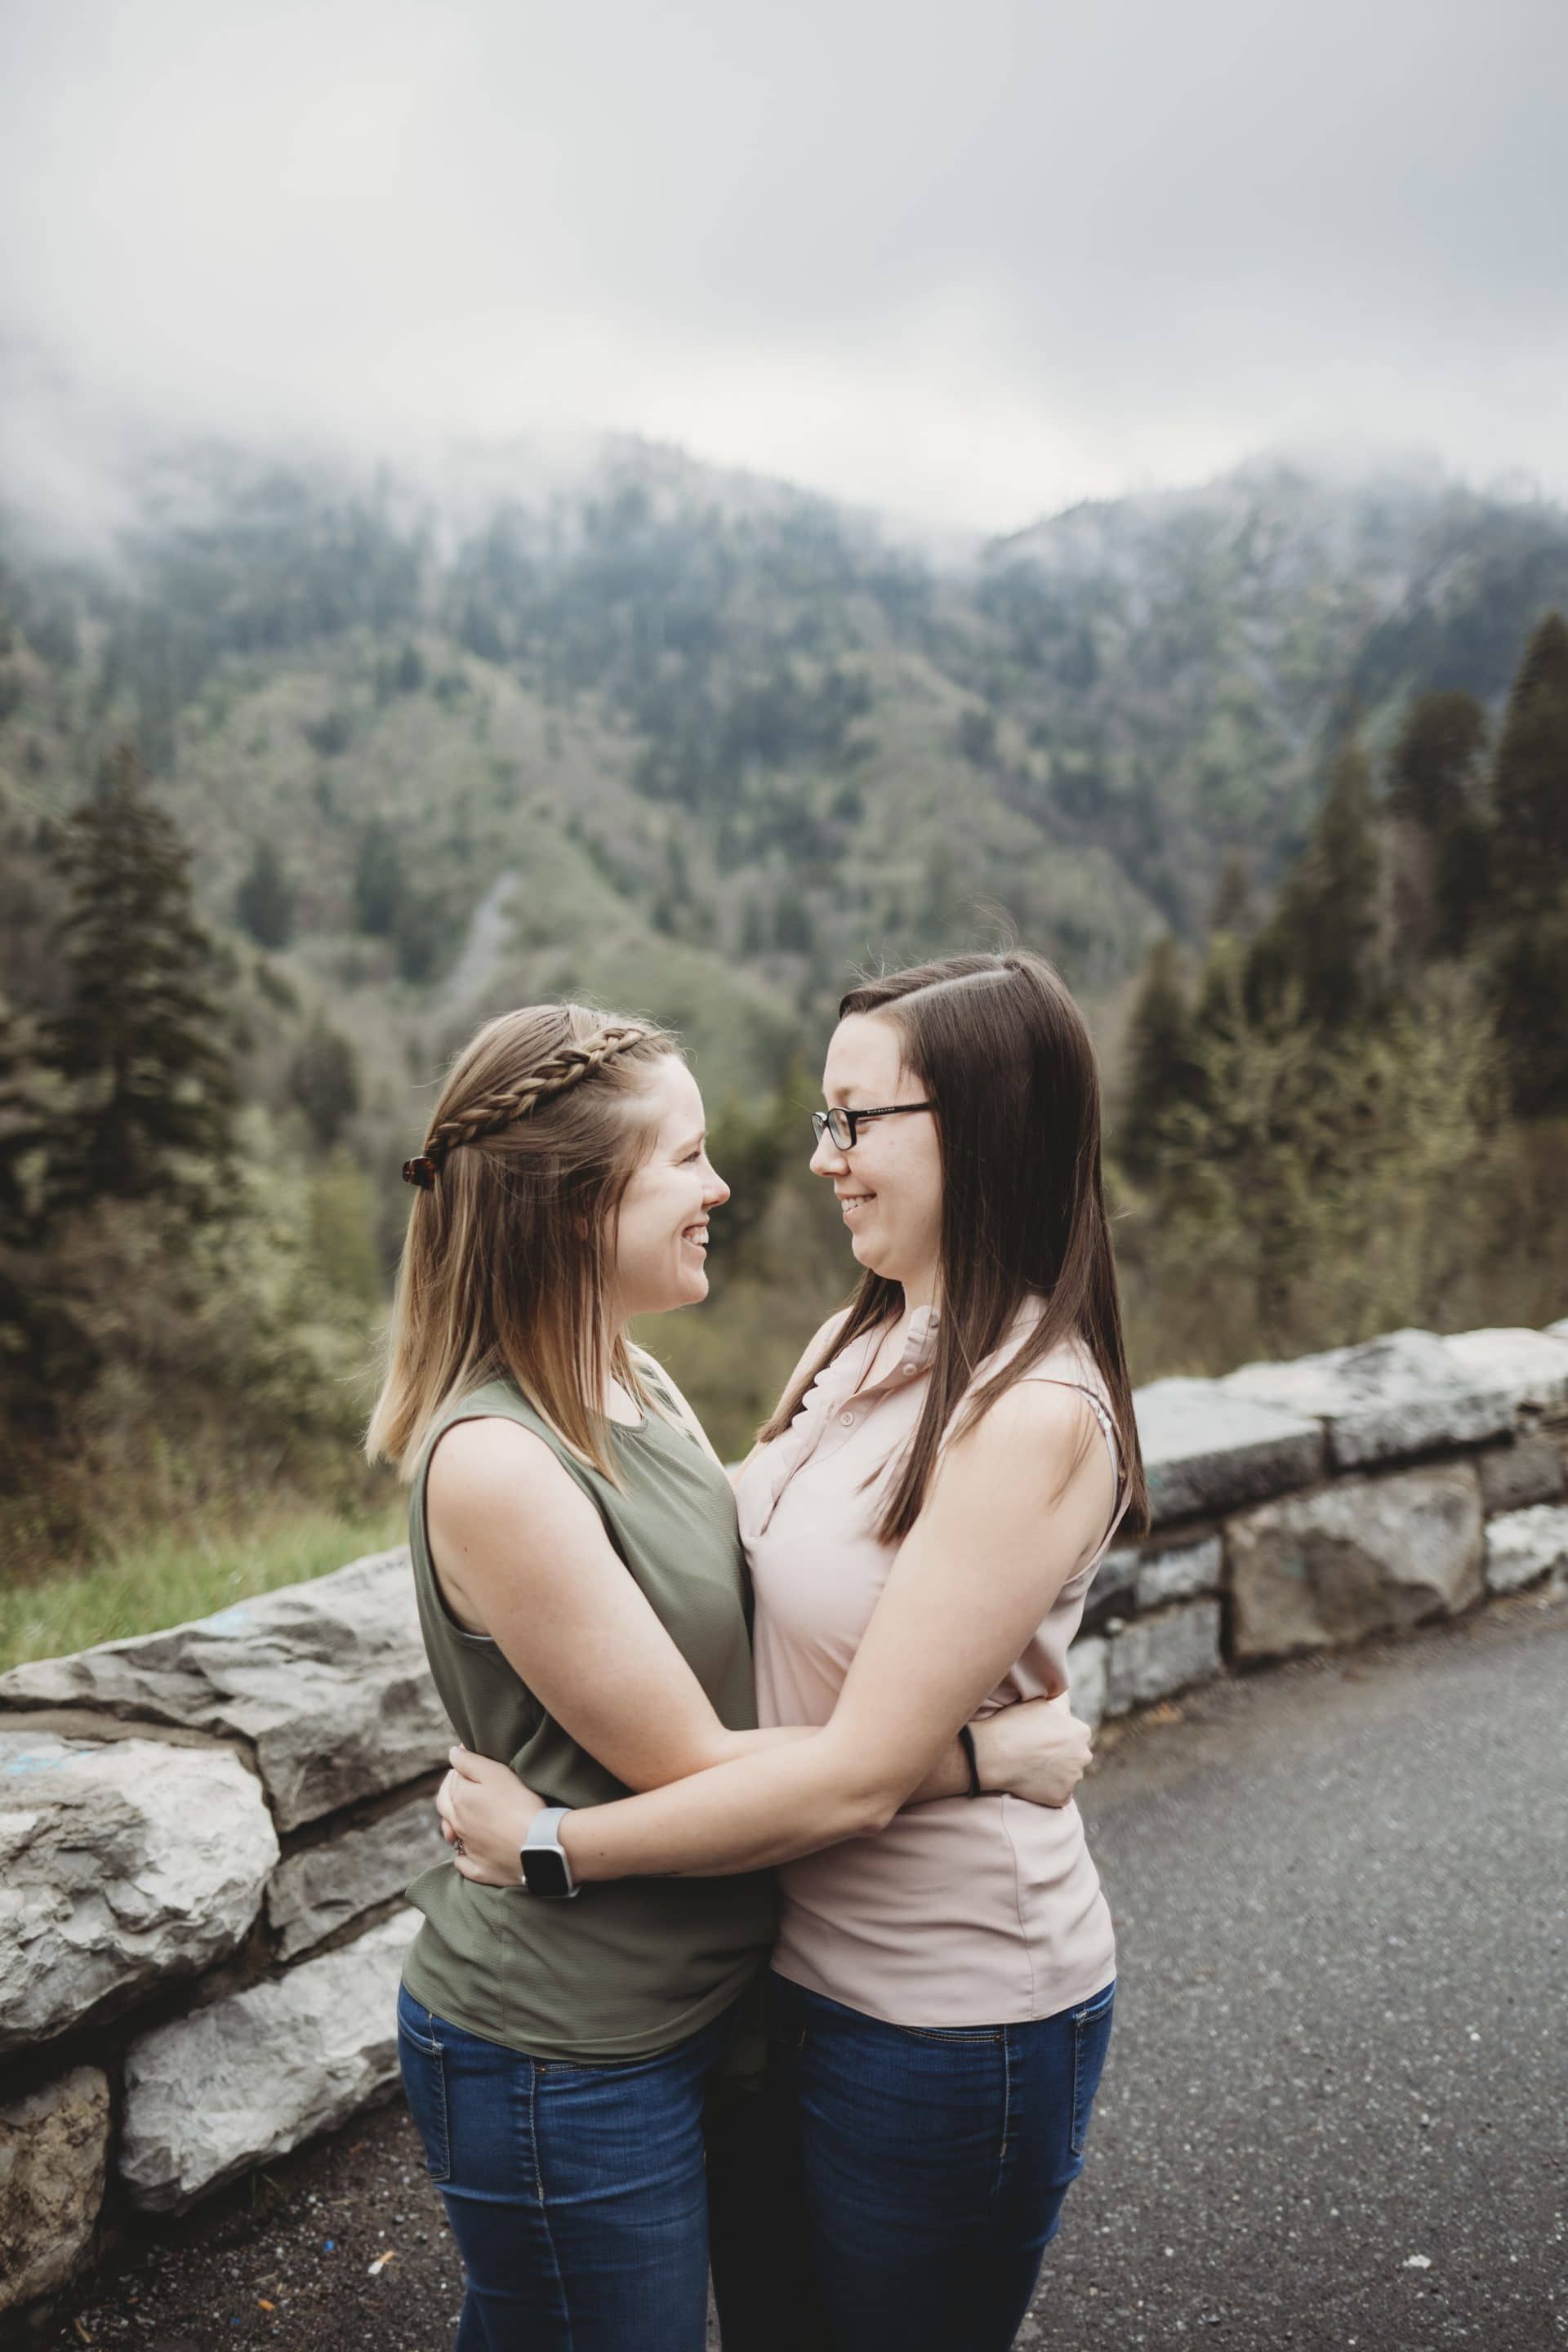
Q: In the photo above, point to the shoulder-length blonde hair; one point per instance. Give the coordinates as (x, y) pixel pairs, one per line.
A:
(509, 1257)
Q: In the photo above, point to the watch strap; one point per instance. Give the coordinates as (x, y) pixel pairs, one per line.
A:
(544, 1830)
(966, 1741)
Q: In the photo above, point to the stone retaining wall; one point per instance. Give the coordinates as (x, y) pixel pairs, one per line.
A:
(204, 1833)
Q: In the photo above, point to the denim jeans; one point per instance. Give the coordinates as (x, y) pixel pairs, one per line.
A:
(581, 2198)
(933, 2164)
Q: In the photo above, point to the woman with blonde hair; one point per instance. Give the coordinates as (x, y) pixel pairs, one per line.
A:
(584, 1606)
(922, 1518)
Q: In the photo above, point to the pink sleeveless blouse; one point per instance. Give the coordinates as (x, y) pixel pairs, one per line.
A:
(967, 1911)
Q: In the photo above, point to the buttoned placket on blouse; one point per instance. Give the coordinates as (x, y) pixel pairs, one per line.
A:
(837, 1406)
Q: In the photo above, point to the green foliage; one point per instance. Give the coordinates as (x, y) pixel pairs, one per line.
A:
(1322, 940)
(154, 1095)
(1317, 1172)
(1529, 876)
(1529, 973)
(378, 885)
(324, 1081)
(264, 902)
(1432, 769)
(168, 1575)
(1163, 1070)
(1529, 788)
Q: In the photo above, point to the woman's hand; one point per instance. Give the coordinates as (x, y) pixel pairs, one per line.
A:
(485, 1813)
(1037, 1749)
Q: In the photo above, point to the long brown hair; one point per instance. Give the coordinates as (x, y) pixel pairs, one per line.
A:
(996, 1044)
(508, 1256)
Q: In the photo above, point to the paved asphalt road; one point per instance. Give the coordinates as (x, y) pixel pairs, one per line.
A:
(1336, 2109)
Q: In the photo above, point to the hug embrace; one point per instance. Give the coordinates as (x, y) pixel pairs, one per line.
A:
(770, 1944)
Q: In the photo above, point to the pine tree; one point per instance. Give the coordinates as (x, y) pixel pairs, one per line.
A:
(1530, 787)
(1235, 909)
(1529, 958)
(1324, 939)
(265, 900)
(324, 1080)
(378, 881)
(140, 1042)
(1431, 772)
(1162, 1070)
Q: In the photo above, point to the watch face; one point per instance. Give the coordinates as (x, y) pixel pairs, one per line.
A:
(544, 1871)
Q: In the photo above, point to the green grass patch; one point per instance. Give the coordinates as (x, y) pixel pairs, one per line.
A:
(163, 1580)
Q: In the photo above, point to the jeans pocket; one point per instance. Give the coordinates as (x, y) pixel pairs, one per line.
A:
(1090, 2040)
(423, 2063)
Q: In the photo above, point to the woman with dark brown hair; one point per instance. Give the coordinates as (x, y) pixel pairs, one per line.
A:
(583, 1602)
(922, 1518)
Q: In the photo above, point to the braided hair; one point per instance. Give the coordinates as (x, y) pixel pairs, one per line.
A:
(490, 1114)
(509, 1256)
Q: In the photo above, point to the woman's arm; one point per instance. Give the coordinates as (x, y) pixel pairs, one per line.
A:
(523, 1557)
(1027, 1493)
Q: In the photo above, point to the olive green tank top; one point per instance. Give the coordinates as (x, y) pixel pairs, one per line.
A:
(630, 1966)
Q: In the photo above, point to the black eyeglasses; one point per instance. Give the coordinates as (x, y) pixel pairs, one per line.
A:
(843, 1125)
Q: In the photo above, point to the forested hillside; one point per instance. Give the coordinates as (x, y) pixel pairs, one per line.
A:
(683, 743)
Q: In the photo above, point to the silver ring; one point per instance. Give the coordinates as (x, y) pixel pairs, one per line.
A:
(458, 1846)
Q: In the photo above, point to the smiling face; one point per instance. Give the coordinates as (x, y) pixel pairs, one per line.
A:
(661, 1228)
(890, 1184)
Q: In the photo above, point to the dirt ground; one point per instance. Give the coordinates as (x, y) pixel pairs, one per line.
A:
(343, 2246)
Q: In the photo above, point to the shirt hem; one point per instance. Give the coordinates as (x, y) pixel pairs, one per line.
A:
(606, 2050)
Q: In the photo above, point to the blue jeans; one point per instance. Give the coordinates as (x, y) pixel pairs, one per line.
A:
(575, 2193)
(933, 2164)
(581, 2198)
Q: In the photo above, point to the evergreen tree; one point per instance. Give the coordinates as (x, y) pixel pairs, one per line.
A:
(139, 1041)
(378, 881)
(1529, 960)
(1235, 909)
(265, 900)
(1530, 998)
(1162, 1071)
(324, 1081)
(1324, 939)
(1530, 787)
(1431, 772)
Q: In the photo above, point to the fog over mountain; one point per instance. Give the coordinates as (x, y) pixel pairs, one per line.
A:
(971, 266)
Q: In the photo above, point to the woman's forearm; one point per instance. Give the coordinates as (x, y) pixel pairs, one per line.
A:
(775, 1803)
(948, 1776)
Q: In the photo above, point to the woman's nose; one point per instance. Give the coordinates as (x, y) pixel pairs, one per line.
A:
(715, 1192)
(827, 1160)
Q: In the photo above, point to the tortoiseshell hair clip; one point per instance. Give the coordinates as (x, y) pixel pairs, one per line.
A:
(420, 1172)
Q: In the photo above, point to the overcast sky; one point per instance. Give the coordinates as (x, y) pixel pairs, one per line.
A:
(966, 261)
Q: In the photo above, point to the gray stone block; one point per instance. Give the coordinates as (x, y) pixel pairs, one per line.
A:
(1180, 1573)
(1086, 1678)
(321, 1889)
(1364, 1556)
(257, 2073)
(1386, 1399)
(327, 1682)
(1111, 1594)
(54, 2153)
(1155, 1657)
(1208, 1449)
(1530, 1368)
(1530, 1470)
(1523, 1546)
(122, 1863)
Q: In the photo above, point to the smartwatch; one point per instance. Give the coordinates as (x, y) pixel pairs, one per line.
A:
(545, 1869)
